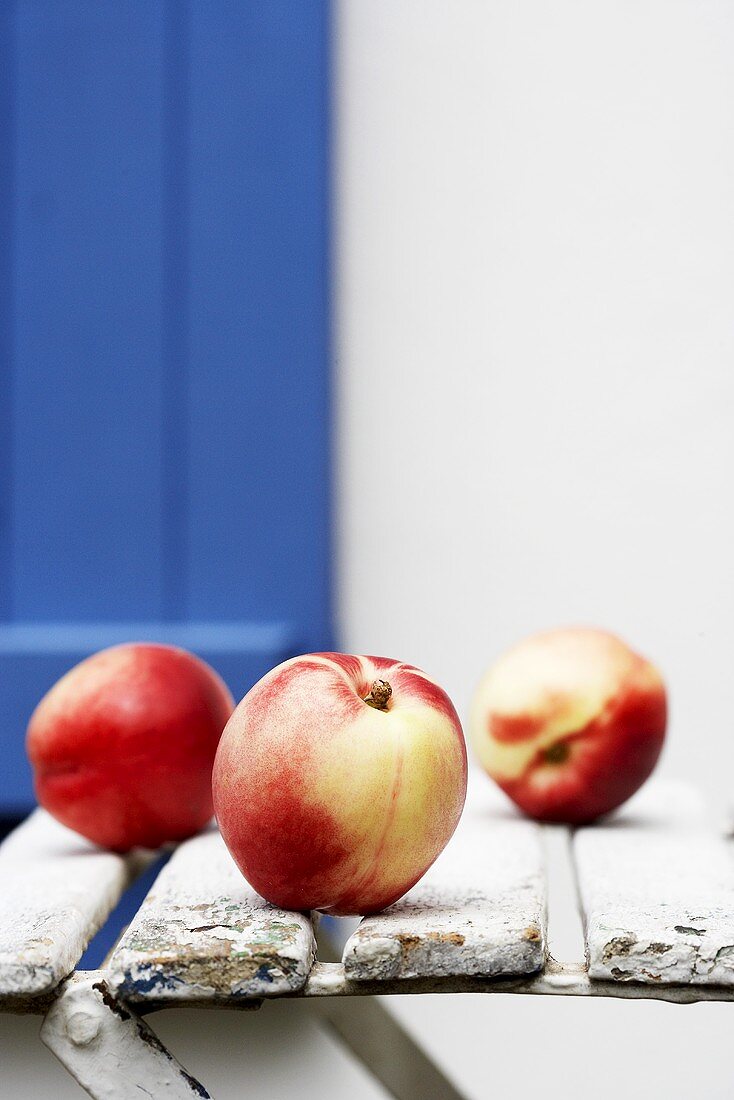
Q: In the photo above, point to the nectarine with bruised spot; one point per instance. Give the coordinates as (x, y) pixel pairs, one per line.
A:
(569, 723)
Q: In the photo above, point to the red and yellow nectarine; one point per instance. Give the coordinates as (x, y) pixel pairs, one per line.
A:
(569, 723)
(338, 780)
(122, 746)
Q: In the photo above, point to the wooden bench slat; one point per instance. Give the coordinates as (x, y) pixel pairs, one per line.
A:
(56, 891)
(657, 891)
(480, 910)
(203, 933)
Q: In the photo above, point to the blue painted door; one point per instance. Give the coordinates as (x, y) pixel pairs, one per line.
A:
(164, 392)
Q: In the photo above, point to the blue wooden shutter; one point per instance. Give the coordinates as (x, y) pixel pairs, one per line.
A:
(164, 390)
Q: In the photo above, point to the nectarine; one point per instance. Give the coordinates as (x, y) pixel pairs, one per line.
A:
(338, 780)
(123, 745)
(569, 723)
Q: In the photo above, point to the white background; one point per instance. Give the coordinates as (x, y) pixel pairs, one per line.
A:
(536, 338)
(534, 344)
(535, 351)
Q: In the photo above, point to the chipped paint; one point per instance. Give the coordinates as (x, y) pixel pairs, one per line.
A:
(56, 890)
(480, 910)
(203, 933)
(556, 979)
(657, 889)
(108, 1049)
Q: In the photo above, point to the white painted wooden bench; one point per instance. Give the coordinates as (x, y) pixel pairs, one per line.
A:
(655, 885)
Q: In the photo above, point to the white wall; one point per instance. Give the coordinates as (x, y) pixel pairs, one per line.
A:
(535, 348)
(535, 337)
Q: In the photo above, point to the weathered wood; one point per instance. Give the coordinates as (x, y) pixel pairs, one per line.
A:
(479, 910)
(108, 1049)
(56, 890)
(657, 890)
(203, 934)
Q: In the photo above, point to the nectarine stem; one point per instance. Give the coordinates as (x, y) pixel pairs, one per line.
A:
(379, 695)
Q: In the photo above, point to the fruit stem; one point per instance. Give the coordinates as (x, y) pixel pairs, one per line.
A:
(379, 695)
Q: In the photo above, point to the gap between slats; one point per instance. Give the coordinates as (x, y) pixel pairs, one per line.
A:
(565, 931)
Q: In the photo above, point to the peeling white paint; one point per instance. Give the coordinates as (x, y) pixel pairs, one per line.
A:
(555, 980)
(56, 890)
(480, 910)
(108, 1049)
(657, 891)
(203, 933)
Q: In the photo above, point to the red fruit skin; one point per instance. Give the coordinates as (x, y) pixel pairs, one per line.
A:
(122, 746)
(326, 803)
(621, 752)
(606, 758)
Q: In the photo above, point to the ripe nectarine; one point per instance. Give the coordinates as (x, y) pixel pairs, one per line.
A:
(122, 746)
(569, 723)
(339, 780)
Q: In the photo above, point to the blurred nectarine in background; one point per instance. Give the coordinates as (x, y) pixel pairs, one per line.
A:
(569, 723)
(122, 746)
